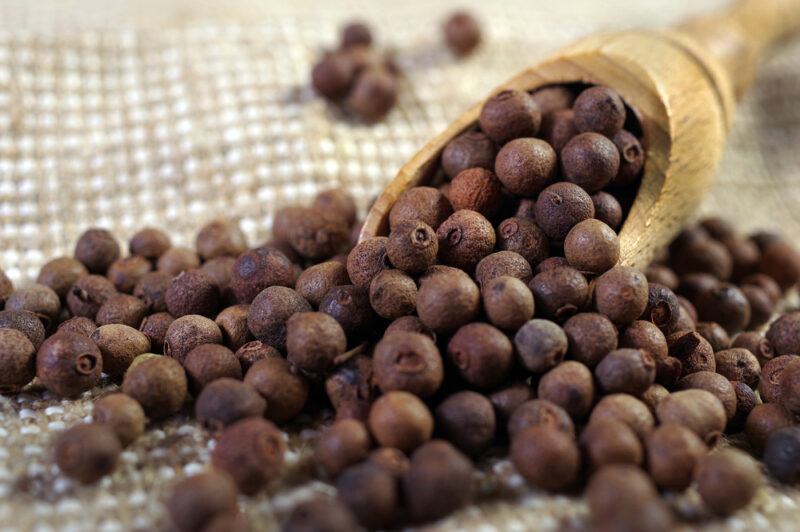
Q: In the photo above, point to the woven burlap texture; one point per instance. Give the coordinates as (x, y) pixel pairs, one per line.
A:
(172, 112)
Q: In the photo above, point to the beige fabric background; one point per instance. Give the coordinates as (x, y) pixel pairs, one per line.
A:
(171, 112)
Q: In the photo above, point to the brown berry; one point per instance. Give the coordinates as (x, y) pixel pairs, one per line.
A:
(510, 114)
(251, 452)
(313, 341)
(546, 457)
(60, 274)
(425, 204)
(399, 419)
(87, 452)
(149, 243)
(97, 249)
(17, 362)
(570, 386)
(68, 364)
(158, 384)
(122, 414)
(525, 166)
(590, 161)
(467, 420)
(560, 207)
(341, 445)
(472, 149)
(285, 392)
(482, 355)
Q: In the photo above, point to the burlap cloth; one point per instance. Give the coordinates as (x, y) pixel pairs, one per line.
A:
(171, 112)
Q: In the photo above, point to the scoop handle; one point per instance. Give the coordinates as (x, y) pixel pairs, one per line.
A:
(738, 36)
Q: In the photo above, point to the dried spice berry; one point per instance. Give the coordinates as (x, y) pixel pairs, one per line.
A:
(439, 480)
(97, 249)
(374, 94)
(789, 386)
(560, 206)
(218, 238)
(621, 294)
(591, 247)
(560, 293)
(715, 384)
(192, 292)
(744, 254)
(510, 114)
(409, 362)
(38, 299)
(188, 332)
(623, 497)
(225, 401)
(627, 409)
(472, 149)
(626, 371)
(781, 262)
(152, 290)
(693, 351)
(482, 355)
(251, 452)
(315, 236)
(738, 364)
(782, 455)
(323, 514)
(507, 302)
(158, 384)
(508, 398)
(400, 420)
(647, 336)
(590, 161)
(426, 204)
(525, 166)
(122, 309)
(761, 306)
(673, 450)
(259, 268)
(333, 75)
(546, 457)
(540, 345)
(392, 460)
(745, 402)
(126, 272)
(467, 420)
(698, 410)
(654, 395)
(607, 210)
(476, 189)
(60, 274)
(502, 263)
(119, 344)
(122, 414)
(351, 388)
(631, 158)
(658, 273)
(784, 334)
(155, 327)
(252, 352)
(197, 501)
(318, 279)
(27, 323)
(371, 493)
(393, 294)
(663, 307)
(727, 480)
(149, 243)
(369, 257)
(412, 247)
(461, 33)
(86, 452)
(769, 386)
(447, 299)
(18, 362)
(270, 311)
(209, 362)
(611, 442)
(285, 392)
(176, 260)
(232, 322)
(78, 324)
(764, 282)
(464, 239)
(337, 202)
(68, 364)
(599, 109)
(704, 256)
(341, 445)
(591, 337)
(349, 305)
(714, 334)
(313, 341)
(88, 294)
(536, 412)
(553, 98)
(570, 386)
(724, 304)
(523, 237)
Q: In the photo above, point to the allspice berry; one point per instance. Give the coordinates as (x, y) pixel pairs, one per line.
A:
(789, 384)
(570, 386)
(599, 109)
(119, 344)
(225, 401)
(481, 354)
(738, 364)
(715, 334)
(351, 388)
(374, 94)
(781, 262)
(88, 294)
(626, 371)
(627, 409)
(259, 268)
(472, 149)
(318, 279)
(17, 362)
(590, 161)
(412, 246)
(714, 383)
(673, 451)
(149, 243)
(122, 309)
(592, 247)
(560, 292)
(192, 292)
(152, 290)
(631, 158)
(783, 334)
(97, 249)
(399, 419)
(426, 204)
(188, 332)
(333, 75)
(316, 237)
(552, 98)
(546, 457)
(158, 384)
(647, 336)
(122, 414)
(611, 442)
(196, 501)
(769, 385)
(286, 393)
(507, 302)
(467, 420)
(251, 452)
(369, 257)
(607, 209)
(393, 294)
(219, 238)
(86, 452)
(126, 272)
(726, 305)
(232, 322)
(693, 351)
(560, 207)
(727, 480)
(591, 337)
(409, 362)
(462, 33)
(269, 312)
(209, 362)
(524, 237)
(502, 263)
(69, 364)
(476, 189)
(447, 299)
(25, 322)
(60, 274)
(344, 443)
(698, 410)
(782, 455)
(77, 324)
(349, 305)
(510, 114)
(38, 299)
(536, 412)
(439, 480)
(623, 497)
(525, 166)
(464, 239)
(321, 513)
(313, 341)
(540, 345)
(509, 397)
(621, 294)
(252, 352)
(155, 327)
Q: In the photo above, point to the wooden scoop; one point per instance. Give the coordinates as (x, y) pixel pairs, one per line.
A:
(682, 83)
